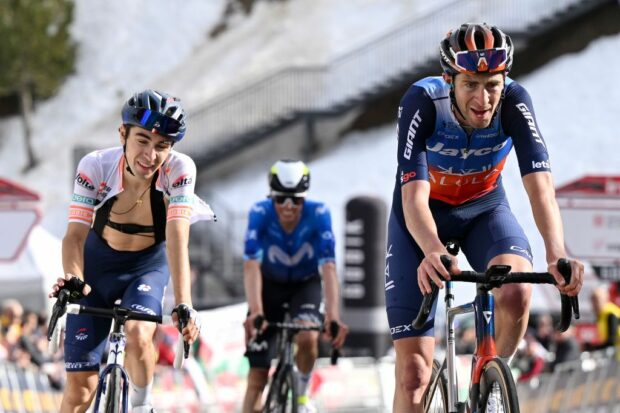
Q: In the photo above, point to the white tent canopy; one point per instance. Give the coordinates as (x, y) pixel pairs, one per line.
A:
(30, 277)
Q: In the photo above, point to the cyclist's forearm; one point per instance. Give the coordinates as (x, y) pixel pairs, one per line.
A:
(253, 285)
(539, 187)
(418, 217)
(177, 251)
(73, 255)
(332, 290)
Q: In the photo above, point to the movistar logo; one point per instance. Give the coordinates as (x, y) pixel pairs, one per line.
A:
(276, 254)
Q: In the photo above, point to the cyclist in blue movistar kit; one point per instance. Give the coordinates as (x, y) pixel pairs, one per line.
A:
(289, 254)
(127, 235)
(454, 134)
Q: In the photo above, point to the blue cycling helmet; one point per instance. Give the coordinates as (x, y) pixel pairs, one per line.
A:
(153, 110)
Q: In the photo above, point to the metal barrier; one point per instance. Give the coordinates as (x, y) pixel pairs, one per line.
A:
(26, 390)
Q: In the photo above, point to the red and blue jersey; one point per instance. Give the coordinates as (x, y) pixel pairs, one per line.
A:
(462, 167)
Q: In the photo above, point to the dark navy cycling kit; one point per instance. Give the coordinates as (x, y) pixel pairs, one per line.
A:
(138, 278)
(467, 199)
(290, 264)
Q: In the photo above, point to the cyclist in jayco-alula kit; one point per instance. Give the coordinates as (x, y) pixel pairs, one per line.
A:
(128, 232)
(289, 258)
(454, 135)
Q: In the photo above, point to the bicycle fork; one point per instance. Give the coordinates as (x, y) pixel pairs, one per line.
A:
(116, 358)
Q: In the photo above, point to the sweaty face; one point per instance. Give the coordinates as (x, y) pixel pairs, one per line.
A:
(145, 151)
(477, 97)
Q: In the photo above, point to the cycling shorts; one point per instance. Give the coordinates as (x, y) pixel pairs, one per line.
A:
(304, 300)
(485, 228)
(137, 278)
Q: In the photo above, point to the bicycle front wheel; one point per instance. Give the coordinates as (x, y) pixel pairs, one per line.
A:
(114, 392)
(282, 395)
(498, 392)
(436, 397)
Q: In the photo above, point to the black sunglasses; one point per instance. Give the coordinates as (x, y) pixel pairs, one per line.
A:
(281, 199)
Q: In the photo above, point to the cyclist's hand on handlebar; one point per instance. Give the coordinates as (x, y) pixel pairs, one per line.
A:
(576, 280)
(62, 283)
(251, 331)
(343, 330)
(191, 330)
(431, 266)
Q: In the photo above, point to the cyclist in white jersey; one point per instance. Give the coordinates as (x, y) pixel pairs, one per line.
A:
(128, 232)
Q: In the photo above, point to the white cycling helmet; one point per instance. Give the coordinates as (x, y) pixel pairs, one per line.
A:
(288, 176)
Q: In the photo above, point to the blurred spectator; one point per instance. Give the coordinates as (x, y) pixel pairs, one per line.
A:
(465, 342)
(23, 342)
(607, 320)
(545, 332)
(11, 319)
(531, 357)
(567, 347)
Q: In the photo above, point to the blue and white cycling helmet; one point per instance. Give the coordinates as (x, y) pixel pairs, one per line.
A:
(290, 177)
(153, 110)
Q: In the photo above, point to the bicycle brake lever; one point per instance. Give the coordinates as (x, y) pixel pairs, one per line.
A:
(59, 309)
(183, 315)
(333, 331)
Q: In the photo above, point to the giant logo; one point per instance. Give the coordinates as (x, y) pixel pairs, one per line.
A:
(413, 127)
(525, 111)
(276, 254)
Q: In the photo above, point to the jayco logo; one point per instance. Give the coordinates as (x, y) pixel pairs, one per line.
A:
(182, 181)
(413, 127)
(276, 254)
(83, 180)
(464, 153)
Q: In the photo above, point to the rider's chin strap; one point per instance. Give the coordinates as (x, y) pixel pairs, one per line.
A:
(127, 168)
(453, 97)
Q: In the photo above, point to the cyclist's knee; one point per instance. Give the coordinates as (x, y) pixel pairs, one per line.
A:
(79, 389)
(413, 375)
(515, 297)
(257, 378)
(140, 334)
(307, 341)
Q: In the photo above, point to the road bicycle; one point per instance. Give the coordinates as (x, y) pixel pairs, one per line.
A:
(492, 387)
(112, 395)
(282, 390)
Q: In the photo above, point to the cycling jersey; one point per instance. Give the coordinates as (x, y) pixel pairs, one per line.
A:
(289, 257)
(433, 146)
(467, 199)
(100, 177)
